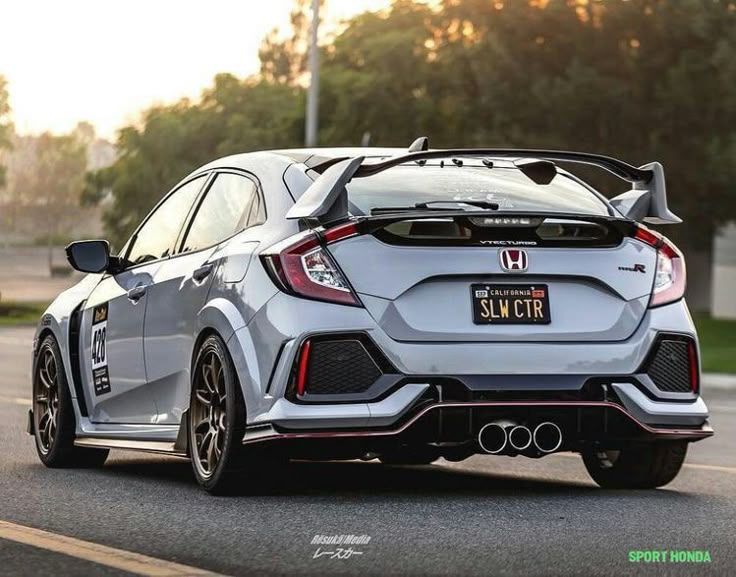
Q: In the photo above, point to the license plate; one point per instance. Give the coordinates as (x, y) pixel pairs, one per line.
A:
(507, 304)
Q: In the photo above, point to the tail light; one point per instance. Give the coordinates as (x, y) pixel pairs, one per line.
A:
(669, 278)
(304, 267)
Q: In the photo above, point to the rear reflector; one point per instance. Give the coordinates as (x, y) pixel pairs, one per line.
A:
(301, 376)
(693, 362)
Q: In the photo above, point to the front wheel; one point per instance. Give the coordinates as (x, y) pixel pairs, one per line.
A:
(216, 419)
(53, 414)
(644, 466)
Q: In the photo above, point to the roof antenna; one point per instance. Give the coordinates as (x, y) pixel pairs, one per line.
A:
(420, 144)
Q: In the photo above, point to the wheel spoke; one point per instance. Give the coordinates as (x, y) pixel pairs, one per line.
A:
(205, 443)
(202, 427)
(211, 458)
(206, 378)
(52, 430)
(43, 376)
(50, 366)
(212, 372)
(219, 439)
(47, 428)
(42, 424)
(208, 411)
(203, 396)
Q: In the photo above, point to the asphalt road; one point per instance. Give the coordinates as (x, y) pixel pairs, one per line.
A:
(485, 516)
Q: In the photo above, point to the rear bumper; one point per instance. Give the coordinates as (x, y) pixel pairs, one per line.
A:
(471, 383)
(628, 415)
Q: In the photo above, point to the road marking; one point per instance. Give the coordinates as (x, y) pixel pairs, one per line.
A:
(721, 468)
(101, 554)
(16, 400)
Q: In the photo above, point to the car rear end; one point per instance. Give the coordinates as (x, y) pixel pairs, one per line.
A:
(544, 322)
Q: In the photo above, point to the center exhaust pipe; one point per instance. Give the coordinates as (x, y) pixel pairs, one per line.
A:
(520, 437)
(547, 437)
(493, 438)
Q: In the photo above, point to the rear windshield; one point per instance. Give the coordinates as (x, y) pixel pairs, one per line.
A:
(406, 185)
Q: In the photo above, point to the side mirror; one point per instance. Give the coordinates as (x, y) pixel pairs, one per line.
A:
(89, 255)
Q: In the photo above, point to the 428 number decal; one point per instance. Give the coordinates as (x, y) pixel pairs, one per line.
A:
(100, 371)
(98, 347)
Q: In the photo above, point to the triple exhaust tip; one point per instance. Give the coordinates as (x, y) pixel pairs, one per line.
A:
(495, 437)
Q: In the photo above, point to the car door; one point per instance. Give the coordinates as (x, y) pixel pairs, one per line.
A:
(112, 323)
(180, 287)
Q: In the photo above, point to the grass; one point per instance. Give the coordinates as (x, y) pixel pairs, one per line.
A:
(14, 313)
(717, 344)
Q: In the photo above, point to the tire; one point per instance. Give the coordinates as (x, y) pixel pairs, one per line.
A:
(216, 420)
(54, 424)
(643, 466)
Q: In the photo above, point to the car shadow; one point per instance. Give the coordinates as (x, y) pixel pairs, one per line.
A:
(367, 479)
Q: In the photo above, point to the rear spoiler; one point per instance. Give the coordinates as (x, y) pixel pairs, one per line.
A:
(326, 199)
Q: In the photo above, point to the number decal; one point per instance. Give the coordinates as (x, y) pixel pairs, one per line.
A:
(100, 373)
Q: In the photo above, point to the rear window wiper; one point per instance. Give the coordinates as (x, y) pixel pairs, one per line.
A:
(429, 206)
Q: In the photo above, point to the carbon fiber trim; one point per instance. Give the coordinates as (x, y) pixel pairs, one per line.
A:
(669, 365)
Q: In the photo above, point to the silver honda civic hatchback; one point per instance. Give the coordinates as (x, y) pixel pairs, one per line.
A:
(403, 305)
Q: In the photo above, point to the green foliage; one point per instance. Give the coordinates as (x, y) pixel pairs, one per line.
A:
(15, 313)
(717, 344)
(639, 79)
(171, 141)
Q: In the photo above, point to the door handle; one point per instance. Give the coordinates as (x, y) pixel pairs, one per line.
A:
(136, 293)
(202, 272)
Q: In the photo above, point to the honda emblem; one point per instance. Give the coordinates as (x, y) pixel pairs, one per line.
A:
(513, 260)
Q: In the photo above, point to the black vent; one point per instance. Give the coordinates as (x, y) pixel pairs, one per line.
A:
(669, 366)
(339, 367)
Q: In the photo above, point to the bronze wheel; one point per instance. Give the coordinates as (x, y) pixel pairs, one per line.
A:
(216, 419)
(46, 400)
(54, 423)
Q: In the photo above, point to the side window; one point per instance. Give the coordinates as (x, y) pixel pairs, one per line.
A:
(157, 236)
(231, 205)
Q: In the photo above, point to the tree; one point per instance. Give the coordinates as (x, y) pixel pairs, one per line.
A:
(639, 79)
(6, 129)
(283, 54)
(55, 183)
(232, 116)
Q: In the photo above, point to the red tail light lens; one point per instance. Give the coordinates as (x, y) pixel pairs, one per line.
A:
(648, 236)
(307, 269)
(669, 279)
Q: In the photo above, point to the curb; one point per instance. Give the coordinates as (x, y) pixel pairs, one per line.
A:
(720, 381)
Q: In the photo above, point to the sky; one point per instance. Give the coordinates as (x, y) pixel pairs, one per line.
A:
(104, 61)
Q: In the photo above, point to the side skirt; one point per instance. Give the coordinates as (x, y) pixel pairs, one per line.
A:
(159, 447)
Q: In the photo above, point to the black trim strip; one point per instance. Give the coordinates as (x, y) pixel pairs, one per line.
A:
(75, 323)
